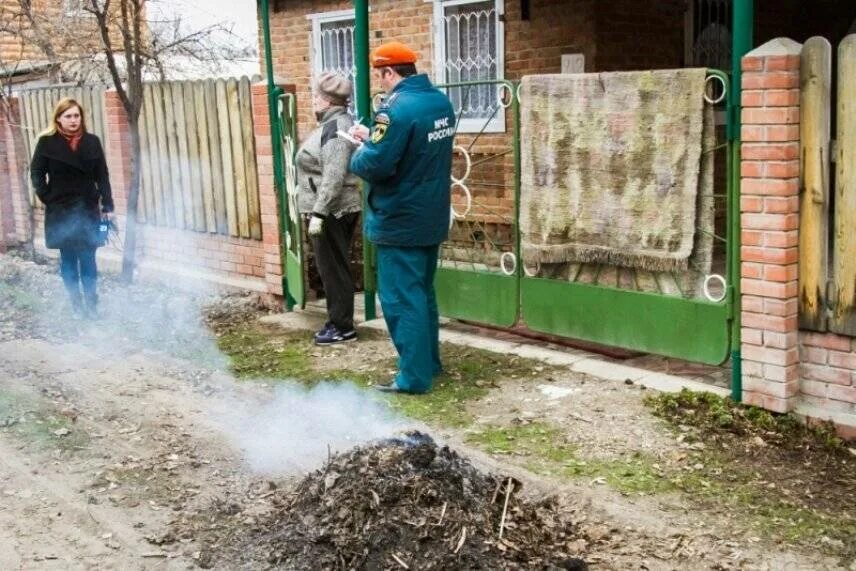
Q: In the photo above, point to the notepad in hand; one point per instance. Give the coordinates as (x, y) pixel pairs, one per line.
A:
(348, 137)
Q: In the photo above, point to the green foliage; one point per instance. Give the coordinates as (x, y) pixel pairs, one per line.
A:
(711, 413)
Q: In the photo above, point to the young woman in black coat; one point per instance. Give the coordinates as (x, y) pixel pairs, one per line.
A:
(69, 174)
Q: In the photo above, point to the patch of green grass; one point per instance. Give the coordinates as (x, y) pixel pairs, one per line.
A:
(727, 486)
(547, 452)
(782, 478)
(260, 353)
(468, 376)
(257, 351)
(19, 298)
(712, 413)
(31, 421)
(703, 477)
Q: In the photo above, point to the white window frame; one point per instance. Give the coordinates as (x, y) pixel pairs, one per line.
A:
(317, 20)
(497, 123)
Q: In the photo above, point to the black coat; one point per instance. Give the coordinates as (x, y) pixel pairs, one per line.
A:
(72, 185)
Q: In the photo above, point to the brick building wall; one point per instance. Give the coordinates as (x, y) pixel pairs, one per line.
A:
(68, 35)
(619, 35)
(640, 35)
(607, 34)
(15, 223)
(7, 227)
(784, 369)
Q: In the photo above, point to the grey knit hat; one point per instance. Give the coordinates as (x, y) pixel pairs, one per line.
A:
(334, 88)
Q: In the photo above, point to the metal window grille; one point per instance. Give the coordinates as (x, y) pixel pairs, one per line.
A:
(710, 35)
(335, 49)
(470, 39)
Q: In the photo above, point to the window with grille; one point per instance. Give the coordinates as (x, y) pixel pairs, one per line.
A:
(468, 46)
(333, 45)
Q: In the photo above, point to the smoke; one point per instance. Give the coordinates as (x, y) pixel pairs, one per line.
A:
(300, 427)
(286, 430)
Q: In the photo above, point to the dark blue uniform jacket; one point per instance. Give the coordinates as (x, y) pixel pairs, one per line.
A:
(408, 164)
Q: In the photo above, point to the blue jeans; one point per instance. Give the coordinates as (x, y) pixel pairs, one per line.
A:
(77, 267)
(406, 291)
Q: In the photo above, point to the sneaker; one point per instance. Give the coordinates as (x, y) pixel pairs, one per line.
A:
(333, 336)
(323, 331)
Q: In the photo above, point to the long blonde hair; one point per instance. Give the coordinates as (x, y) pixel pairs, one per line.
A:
(62, 106)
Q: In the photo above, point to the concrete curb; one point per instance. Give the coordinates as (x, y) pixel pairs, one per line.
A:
(577, 361)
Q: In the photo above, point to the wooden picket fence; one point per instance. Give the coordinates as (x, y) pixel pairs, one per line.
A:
(37, 107)
(827, 278)
(199, 167)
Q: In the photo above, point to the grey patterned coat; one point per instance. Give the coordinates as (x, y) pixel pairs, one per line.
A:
(324, 184)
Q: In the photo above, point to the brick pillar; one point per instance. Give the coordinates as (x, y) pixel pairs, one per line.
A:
(117, 147)
(15, 221)
(267, 190)
(7, 214)
(769, 214)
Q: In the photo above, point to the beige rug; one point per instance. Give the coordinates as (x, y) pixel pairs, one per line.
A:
(611, 168)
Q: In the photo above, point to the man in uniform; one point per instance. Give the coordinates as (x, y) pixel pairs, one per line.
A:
(407, 160)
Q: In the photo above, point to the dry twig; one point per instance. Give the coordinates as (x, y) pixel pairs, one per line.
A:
(399, 561)
(508, 486)
(462, 540)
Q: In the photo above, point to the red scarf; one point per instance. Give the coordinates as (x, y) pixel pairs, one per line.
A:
(73, 139)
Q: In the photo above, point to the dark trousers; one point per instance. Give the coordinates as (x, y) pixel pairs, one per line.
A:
(406, 289)
(77, 267)
(333, 260)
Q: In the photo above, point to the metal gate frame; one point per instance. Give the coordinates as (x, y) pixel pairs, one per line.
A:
(291, 226)
(486, 297)
(692, 329)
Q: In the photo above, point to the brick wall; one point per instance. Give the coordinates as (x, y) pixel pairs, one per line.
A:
(167, 253)
(784, 369)
(7, 227)
(769, 207)
(608, 35)
(634, 35)
(619, 35)
(291, 31)
(828, 372)
(69, 36)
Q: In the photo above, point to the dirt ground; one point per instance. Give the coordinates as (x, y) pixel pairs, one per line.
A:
(123, 441)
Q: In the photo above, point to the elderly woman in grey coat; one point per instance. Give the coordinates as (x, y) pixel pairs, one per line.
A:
(330, 198)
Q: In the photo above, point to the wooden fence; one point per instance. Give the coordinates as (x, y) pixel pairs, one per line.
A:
(199, 167)
(37, 108)
(827, 278)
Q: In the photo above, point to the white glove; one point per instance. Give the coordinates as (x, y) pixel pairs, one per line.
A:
(316, 226)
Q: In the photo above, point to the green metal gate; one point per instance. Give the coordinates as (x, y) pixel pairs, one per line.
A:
(480, 279)
(291, 228)
(474, 280)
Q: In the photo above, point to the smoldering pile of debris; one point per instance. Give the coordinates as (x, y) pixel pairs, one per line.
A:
(406, 503)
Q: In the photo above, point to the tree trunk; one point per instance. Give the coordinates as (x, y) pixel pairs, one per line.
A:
(130, 253)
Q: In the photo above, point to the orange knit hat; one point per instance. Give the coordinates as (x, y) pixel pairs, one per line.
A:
(392, 53)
